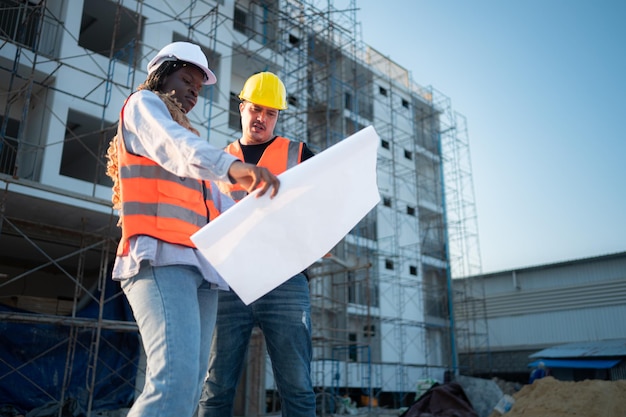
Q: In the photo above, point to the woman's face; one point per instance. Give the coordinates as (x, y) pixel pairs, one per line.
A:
(184, 84)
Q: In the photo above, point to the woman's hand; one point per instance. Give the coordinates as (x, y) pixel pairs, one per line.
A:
(250, 176)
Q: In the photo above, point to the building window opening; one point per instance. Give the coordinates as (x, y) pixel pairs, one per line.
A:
(98, 27)
(8, 146)
(294, 40)
(389, 264)
(84, 148)
(19, 23)
(239, 20)
(352, 349)
(234, 119)
(347, 102)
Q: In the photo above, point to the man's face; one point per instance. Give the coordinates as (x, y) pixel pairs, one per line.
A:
(257, 123)
(184, 85)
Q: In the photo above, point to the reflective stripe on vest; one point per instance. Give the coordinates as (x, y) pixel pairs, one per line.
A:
(158, 203)
(278, 157)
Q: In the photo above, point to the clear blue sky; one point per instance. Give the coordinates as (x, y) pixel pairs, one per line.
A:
(542, 84)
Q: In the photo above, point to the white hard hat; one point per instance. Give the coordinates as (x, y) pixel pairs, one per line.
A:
(183, 51)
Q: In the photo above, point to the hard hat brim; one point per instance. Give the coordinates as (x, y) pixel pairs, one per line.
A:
(209, 76)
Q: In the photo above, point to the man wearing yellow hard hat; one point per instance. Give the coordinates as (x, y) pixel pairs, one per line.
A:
(284, 314)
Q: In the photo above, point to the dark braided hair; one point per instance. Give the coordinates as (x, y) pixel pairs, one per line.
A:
(156, 78)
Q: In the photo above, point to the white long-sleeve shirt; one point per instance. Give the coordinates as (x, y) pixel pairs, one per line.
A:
(150, 131)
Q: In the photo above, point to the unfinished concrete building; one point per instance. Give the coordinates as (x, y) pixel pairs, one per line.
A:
(383, 317)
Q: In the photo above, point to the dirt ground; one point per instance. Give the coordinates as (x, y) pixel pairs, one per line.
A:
(549, 397)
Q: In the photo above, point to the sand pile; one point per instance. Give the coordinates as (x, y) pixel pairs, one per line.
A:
(549, 397)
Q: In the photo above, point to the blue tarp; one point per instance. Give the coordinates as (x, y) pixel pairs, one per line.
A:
(577, 363)
(34, 356)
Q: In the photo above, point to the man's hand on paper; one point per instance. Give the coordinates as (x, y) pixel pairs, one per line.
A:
(251, 176)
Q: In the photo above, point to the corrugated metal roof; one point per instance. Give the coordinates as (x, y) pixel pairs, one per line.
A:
(604, 348)
(577, 364)
(552, 265)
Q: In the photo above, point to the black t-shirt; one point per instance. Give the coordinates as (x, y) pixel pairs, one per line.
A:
(252, 153)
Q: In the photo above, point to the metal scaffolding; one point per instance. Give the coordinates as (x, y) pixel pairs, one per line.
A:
(382, 303)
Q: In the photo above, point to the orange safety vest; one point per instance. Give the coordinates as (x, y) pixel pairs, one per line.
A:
(278, 157)
(157, 203)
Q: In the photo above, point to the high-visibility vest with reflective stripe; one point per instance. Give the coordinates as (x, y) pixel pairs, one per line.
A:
(278, 157)
(158, 203)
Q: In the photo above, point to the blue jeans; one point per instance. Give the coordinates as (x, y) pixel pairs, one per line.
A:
(175, 309)
(284, 316)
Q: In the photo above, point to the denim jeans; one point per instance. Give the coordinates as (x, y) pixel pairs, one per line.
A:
(175, 309)
(284, 316)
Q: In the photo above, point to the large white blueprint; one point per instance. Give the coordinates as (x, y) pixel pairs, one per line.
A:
(260, 242)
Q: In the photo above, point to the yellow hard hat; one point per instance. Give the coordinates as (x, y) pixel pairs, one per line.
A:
(265, 89)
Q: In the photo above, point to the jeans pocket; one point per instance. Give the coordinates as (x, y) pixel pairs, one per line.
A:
(127, 284)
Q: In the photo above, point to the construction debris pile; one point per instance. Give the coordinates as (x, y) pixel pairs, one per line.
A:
(546, 397)
(549, 397)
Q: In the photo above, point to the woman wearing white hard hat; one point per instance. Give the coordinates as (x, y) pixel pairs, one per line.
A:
(162, 173)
